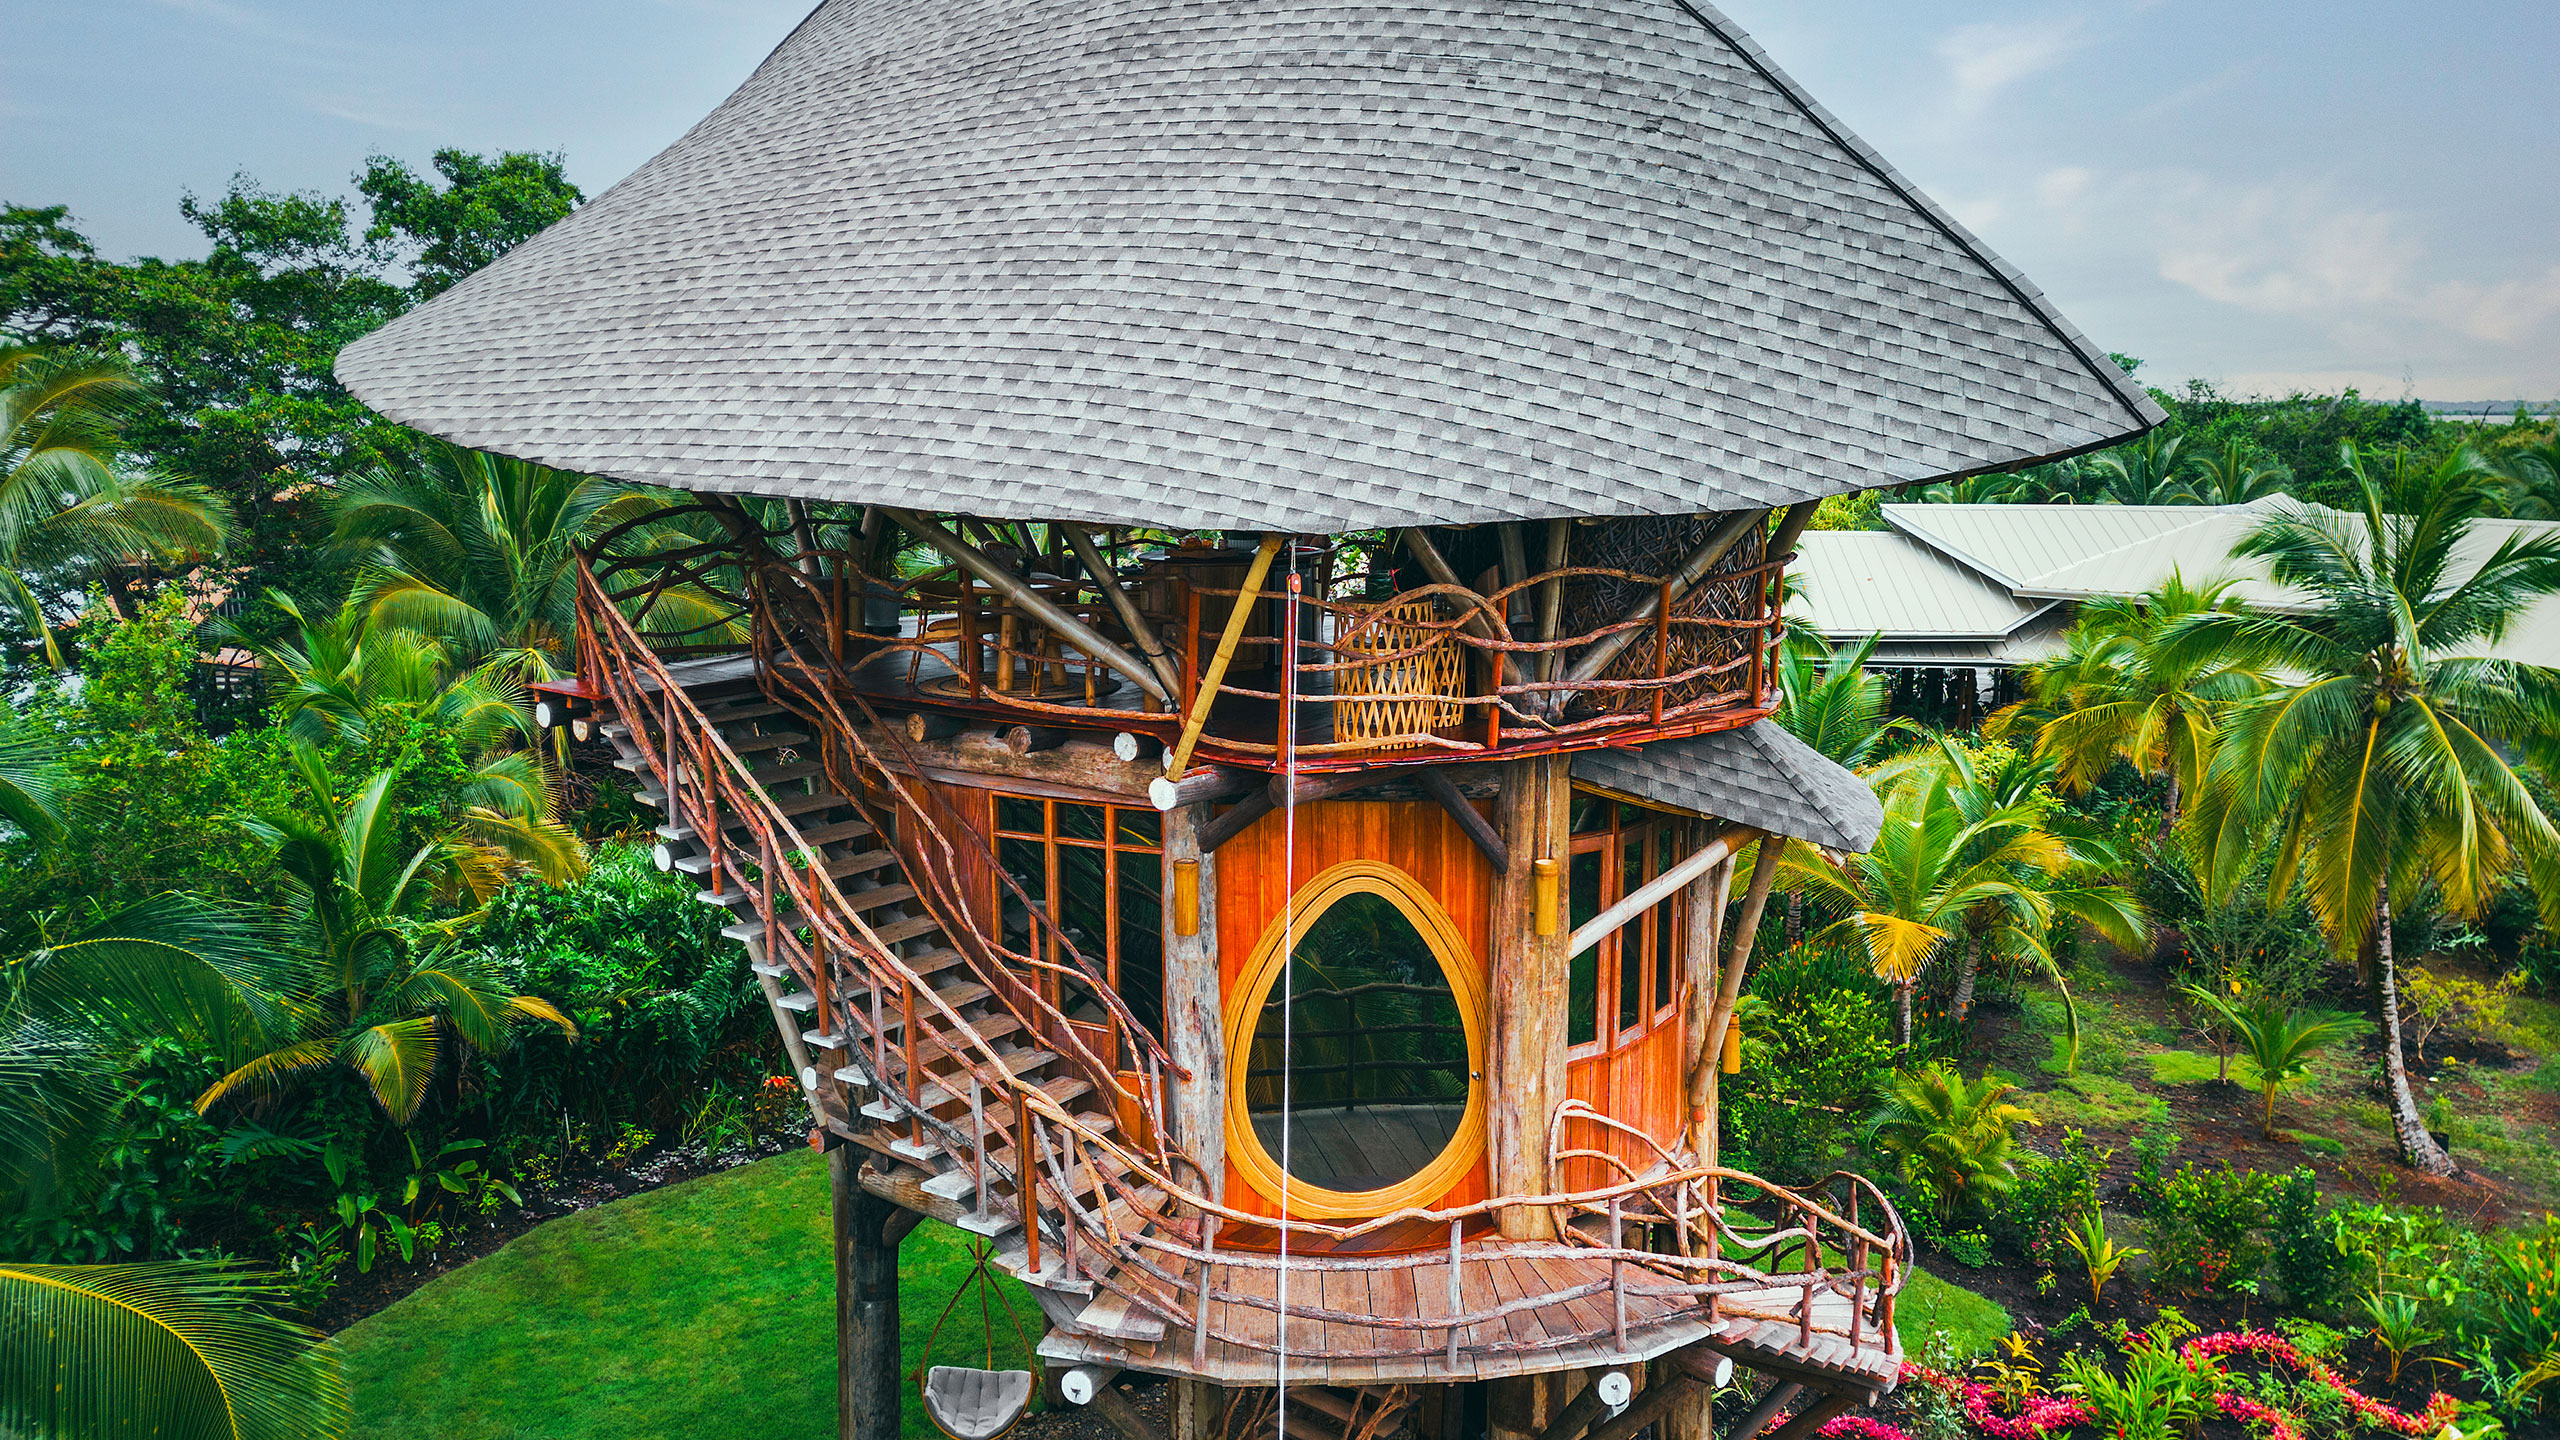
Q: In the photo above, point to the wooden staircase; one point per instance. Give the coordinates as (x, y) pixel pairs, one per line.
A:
(961, 1170)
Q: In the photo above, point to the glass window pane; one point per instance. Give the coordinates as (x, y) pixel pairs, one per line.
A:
(1141, 961)
(1083, 914)
(1139, 827)
(1080, 822)
(1630, 816)
(1630, 938)
(1016, 813)
(1373, 1054)
(1027, 861)
(1666, 950)
(1590, 814)
(1582, 975)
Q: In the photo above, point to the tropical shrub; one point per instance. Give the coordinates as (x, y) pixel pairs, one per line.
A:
(1954, 1141)
(2100, 1255)
(2457, 1007)
(1815, 1034)
(2158, 1393)
(2052, 1191)
(2279, 1039)
(2512, 1313)
(2206, 1228)
(2307, 1262)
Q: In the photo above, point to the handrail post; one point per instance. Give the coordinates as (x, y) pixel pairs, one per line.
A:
(978, 1137)
(1456, 1298)
(1617, 1272)
(1208, 1259)
(1026, 1184)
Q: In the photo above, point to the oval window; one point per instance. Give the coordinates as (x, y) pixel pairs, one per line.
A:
(1359, 1053)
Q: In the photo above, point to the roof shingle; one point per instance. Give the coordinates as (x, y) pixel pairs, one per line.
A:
(1759, 776)
(1310, 265)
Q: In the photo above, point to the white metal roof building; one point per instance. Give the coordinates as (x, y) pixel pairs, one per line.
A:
(1995, 586)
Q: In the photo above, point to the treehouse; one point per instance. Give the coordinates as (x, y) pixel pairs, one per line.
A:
(1217, 647)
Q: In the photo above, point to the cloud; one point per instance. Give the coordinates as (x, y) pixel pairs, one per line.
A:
(1983, 60)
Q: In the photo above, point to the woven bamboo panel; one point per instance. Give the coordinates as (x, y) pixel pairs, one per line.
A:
(1415, 694)
(1650, 545)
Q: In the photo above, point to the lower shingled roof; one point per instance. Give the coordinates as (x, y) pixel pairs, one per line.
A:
(1759, 776)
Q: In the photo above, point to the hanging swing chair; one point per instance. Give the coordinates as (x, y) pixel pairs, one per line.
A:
(968, 1404)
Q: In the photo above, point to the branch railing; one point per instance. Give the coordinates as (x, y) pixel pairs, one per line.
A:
(1129, 1214)
(1436, 668)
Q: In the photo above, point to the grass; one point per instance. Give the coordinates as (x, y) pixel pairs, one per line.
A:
(2092, 1102)
(705, 1308)
(1973, 1323)
(2187, 1067)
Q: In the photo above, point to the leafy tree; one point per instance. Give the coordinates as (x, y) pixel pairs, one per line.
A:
(2303, 432)
(375, 982)
(486, 208)
(2116, 693)
(2381, 758)
(1952, 1139)
(182, 1349)
(68, 512)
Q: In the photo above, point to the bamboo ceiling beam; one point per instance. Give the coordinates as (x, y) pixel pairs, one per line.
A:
(1437, 784)
(1004, 582)
(1246, 597)
(1654, 891)
(1437, 566)
(1107, 581)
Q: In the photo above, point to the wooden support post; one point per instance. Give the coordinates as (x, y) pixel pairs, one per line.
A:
(867, 1232)
(1767, 1410)
(1195, 1033)
(1195, 1408)
(1813, 1417)
(1701, 938)
(1525, 1063)
(1737, 960)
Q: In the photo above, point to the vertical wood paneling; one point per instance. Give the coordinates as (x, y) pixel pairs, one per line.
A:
(1415, 836)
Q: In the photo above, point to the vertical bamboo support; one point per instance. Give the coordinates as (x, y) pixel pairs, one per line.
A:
(978, 1138)
(971, 648)
(1007, 637)
(1026, 1183)
(1662, 649)
(1457, 1296)
(1617, 1273)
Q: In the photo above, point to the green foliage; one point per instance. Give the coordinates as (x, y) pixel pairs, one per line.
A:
(484, 209)
(1954, 1141)
(2398, 1326)
(2099, 1255)
(2307, 1261)
(2052, 1191)
(2156, 1395)
(2457, 1007)
(2513, 1312)
(181, 1349)
(2206, 1228)
(2278, 1040)
(1962, 1323)
(1815, 1037)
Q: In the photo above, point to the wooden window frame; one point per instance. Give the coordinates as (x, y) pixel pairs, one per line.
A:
(1630, 825)
(1050, 841)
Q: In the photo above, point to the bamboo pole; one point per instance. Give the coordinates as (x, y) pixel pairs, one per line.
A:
(1764, 873)
(1437, 566)
(1005, 583)
(1246, 598)
(1106, 580)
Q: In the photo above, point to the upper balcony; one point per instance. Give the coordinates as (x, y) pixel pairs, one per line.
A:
(1402, 646)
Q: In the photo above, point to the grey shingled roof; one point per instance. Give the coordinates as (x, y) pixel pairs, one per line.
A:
(1305, 264)
(1759, 776)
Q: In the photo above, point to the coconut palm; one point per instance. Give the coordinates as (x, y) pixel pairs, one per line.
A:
(2531, 476)
(2278, 1038)
(335, 680)
(181, 1349)
(1953, 1139)
(1934, 875)
(1830, 701)
(2006, 791)
(67, 511)
(2011, 487)
(479, 551)
(2117, 694)
(31, 781)
(2150, 471)
(2381, 758)
(2234, 475)
(374, 983)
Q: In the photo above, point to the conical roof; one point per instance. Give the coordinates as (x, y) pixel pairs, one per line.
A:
(1309, 265)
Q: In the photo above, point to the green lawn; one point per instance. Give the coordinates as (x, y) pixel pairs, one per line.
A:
(701, 1309)
(704, 1309)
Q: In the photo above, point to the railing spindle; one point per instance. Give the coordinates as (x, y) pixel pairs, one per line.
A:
(1457, 1299)
(1208, 1259)
(1617, 1271)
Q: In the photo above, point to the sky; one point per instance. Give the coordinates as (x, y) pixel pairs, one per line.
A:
(2269, 195)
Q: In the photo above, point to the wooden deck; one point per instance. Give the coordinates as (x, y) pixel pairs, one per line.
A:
(1757, 1329)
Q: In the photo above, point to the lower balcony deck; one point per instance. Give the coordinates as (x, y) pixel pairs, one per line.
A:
(1538, 1334)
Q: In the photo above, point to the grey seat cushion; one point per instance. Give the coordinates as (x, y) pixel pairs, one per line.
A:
(975, 1404)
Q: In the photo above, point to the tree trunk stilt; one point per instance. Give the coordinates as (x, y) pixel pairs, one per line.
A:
(2417, 1147)
(1902, 993)
(869, 1389)
(1795, 918)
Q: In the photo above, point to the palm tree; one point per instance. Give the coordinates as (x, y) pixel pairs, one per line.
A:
(2014, 791)
(479, 551)
(2532, 480)
(1830, 701)
(67, 512)
(2008, 487)
(2381, 756)
(31, 779)
(373, 983)
(2278, 1038)
(183, 1348)
(2146, 472)
(2117, 694)
(1935, 874)
(2235, 476)
(1952, 1138)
